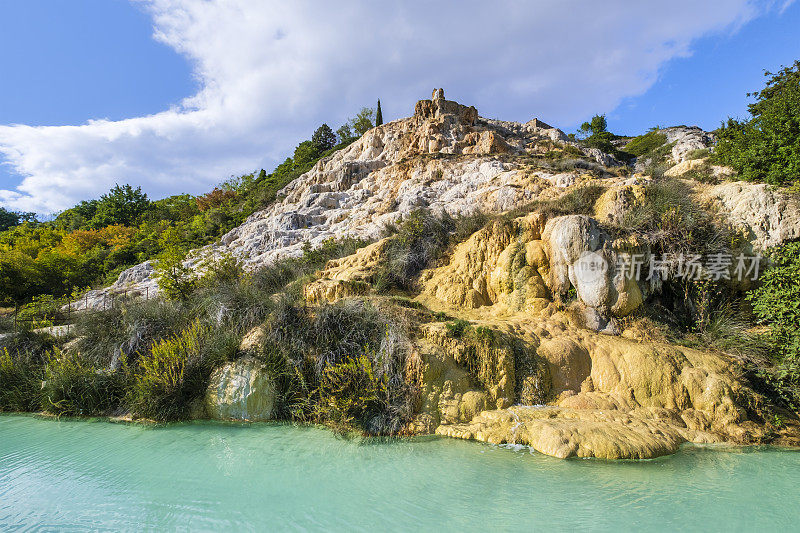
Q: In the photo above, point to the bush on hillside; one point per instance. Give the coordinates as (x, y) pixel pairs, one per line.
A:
(766, 146)
(777, 304)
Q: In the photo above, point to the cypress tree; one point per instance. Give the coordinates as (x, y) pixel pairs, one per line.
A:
(379, 114)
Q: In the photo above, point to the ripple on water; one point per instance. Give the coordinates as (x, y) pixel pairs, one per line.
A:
(83, 475)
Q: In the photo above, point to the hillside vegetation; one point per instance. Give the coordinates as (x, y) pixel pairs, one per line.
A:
(92, 242)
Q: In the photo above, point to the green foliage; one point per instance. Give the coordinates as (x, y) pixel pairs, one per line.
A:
(175, 279)
(20, 381)
(350, 394)
(75, 387)
(766, 146)
(305, 154)
(645, 146)
(9, 219)
(363, 121)
(419, 240)
(457, 328)
(777, 304)
(122, 205)
(345, 132)
(323, 138)
(175, 373)
(579, 201)
(596, 126)
(595, 134)
(341, 364)
(225, 269)
(671, 221)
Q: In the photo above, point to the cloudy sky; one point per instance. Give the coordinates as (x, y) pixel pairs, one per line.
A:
(178, 95)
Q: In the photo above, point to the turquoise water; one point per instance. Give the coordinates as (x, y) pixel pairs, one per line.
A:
(96, 475)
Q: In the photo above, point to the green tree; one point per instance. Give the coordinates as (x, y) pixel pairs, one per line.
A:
(324, 138)
(175, 279)
(18, 277)
(344, 133)
(766, 147)
(122, 205)
(595, 134)
(596, 126)
(305, 153)
(8, 219)
(363, 121)
(379, 114)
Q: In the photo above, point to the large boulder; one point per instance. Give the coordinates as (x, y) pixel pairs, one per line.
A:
(581, 255)
(241, 390)
(767, 216)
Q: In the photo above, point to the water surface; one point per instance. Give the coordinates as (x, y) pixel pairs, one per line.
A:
(96, 475)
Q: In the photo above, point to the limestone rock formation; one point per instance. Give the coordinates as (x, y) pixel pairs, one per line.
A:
(241, 390)
(380, 178)
(687, 139)
(768, 217)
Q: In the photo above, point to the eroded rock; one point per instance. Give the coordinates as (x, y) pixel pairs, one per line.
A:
(241, 390)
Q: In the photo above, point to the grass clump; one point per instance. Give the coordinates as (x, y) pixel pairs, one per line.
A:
(175, 373)
(351, 394)
(20, 380)
(74, 386)
(418, 242)
(457, 328)
(340, 364)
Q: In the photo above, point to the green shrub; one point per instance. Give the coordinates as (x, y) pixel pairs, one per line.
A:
(175, 279)
(579, 201)
(350, 394)
(766, 147)
(175, 373)
(20, 381)
(6, 322)
(698, 153)
(418, 242)
(457, 328)
(644, 146)
(304, 344)
(295, 382)
(673, 223)
(28, 342)
(777, 304)
(75, 387)
(129, 329)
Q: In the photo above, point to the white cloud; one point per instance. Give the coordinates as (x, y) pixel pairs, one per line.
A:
(271, 71)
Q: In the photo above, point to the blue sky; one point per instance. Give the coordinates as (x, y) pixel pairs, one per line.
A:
(177, 95)
(712, 83)
(65, 62)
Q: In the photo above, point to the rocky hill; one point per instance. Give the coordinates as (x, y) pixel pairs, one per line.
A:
(566, 369)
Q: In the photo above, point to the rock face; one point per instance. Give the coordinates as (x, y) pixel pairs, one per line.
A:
(687, 139)
(526, 264)
(241, 390)
(614, 398)
(768, 217)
